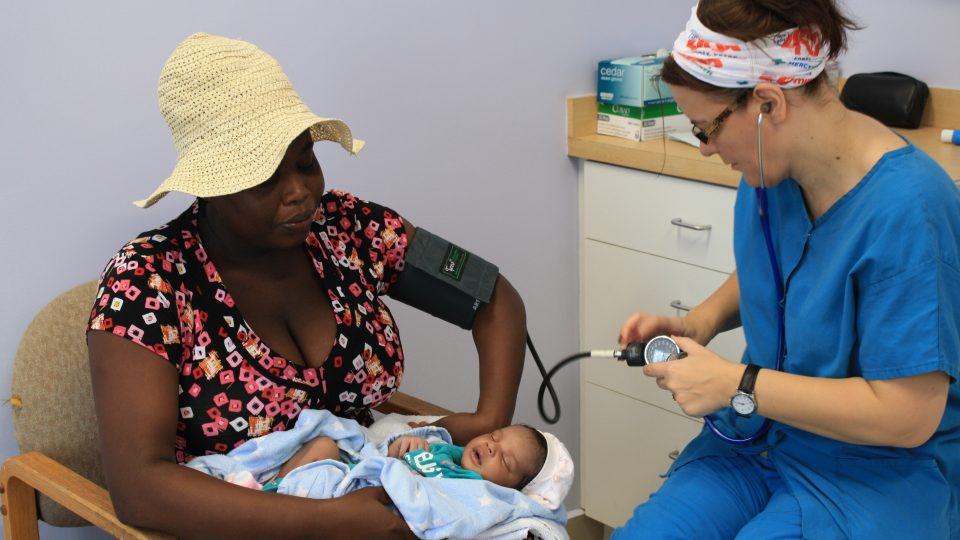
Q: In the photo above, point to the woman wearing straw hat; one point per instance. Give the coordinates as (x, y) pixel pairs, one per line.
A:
(843, 419)
(260, 300)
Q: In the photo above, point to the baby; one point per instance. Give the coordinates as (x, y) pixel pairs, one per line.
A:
(517, 456)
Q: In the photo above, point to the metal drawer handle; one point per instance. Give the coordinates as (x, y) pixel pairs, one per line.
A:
(679, 223)
(674, 455)
(676, 304)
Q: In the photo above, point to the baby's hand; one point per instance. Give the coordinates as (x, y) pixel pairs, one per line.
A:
(407, 443)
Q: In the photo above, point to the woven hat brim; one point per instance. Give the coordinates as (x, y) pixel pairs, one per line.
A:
(206, 170)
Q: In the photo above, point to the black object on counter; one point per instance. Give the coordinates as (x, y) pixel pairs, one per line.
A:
(895, 99)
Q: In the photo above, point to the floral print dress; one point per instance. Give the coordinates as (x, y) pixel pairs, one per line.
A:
(163, 293)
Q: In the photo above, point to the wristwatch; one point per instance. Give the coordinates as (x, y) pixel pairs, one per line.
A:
(744, 403)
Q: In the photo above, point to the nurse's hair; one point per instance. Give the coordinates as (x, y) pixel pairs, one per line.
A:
(748, 20)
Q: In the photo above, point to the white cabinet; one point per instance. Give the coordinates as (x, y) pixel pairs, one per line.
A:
(676, 219)
(648, 243)
(629, 448)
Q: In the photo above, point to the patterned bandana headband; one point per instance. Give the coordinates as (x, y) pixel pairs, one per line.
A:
(789, 59)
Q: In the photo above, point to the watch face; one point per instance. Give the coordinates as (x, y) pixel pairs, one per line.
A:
(743, 404)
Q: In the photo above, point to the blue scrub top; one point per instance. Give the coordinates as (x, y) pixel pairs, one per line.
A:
(872, 291)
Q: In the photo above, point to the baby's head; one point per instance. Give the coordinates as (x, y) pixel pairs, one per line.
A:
(510, 457)
(523, 458)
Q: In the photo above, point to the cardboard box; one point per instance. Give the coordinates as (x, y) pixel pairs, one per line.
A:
(632, 81)
(640, 123)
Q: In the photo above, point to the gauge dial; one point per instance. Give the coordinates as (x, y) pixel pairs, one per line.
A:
(660, 349)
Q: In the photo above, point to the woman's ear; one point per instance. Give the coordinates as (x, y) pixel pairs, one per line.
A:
(772, 101)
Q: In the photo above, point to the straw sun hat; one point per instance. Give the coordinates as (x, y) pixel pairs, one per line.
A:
(233, 113)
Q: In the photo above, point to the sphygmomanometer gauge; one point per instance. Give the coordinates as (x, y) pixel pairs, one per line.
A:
(661, 349)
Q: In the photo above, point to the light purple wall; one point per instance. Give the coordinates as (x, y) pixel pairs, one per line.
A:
(920, 38)
(462, 106)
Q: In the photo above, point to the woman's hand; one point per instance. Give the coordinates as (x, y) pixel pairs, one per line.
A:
(366, 512)
(718, 313)
(642, 327)
(701, 383)
(465, 426)
(407, 443)
(462, 426)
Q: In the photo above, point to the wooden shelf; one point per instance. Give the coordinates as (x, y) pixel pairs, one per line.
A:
(684, 161)
(927, 138)
(666, 156)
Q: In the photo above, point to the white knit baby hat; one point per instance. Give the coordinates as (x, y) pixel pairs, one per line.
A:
(232, 113)
(551, 485)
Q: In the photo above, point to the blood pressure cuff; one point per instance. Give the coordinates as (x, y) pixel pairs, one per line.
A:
(444, 280)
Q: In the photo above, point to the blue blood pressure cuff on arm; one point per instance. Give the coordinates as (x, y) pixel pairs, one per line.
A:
(444, 280)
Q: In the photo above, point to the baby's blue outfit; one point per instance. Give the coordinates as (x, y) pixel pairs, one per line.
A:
(434, 508)
(441, 460)
(872, 291)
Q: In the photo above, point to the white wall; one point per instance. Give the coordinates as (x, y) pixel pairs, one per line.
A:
(919, 37)
(462, 105)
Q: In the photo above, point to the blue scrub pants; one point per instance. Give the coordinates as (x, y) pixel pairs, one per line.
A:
(718, 497)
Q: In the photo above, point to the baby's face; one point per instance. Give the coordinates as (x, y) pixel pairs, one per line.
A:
(505, 456)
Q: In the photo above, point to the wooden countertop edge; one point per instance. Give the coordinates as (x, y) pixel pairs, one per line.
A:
(684, 161)
(690, 169)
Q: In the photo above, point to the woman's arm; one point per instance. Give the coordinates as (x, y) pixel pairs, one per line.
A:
(500, 333)
(135, 393)
(718, 313)
(903, 412)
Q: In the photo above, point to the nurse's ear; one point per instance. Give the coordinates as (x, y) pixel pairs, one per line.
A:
(771, 101)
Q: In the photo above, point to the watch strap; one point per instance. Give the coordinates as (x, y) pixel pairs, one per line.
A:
(749, 379)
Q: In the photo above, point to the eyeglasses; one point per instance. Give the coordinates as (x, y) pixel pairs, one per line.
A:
(705, 134)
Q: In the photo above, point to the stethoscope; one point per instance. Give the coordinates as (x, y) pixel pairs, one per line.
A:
(663, 348)
(761, 193)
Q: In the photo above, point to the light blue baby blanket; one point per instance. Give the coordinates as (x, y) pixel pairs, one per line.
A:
(432, 507)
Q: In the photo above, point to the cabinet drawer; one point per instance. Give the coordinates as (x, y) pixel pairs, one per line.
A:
(618, 282)
(626, 445)
(635, 209)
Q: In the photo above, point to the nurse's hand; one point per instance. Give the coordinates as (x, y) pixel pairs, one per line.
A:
(642, 327)
(702, 383)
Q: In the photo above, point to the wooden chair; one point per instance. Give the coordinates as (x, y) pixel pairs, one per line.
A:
(58, 478)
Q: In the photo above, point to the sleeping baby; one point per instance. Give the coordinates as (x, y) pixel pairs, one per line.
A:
(515, 457)
(512, 477)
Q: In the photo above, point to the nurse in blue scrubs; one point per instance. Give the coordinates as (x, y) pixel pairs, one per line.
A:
(864, 414)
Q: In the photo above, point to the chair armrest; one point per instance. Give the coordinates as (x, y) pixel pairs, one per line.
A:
(401, 403)
(22, 475)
